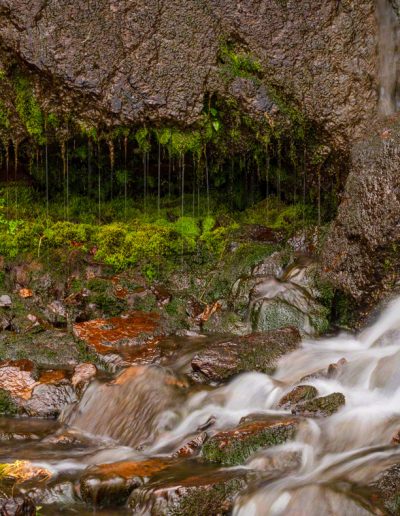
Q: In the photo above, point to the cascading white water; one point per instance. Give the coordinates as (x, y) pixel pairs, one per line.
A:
(389, 60)
(330, 457)
(350, 446)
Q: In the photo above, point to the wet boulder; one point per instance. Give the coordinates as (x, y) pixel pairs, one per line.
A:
(197, 495)
(257, 352)
(82, 376)
(18, 378)
(299, 394)
(273, 297)
(111, 484)
(320, 407)
(23, 390)
(49, 400)
(386, 488)
(234, 446)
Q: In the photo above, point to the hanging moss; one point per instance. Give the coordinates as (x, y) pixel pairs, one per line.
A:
(182, 142)
(29, 110)
(142, 136)
(4, 116)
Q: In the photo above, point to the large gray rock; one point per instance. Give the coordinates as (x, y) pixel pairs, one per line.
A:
(127, 61)
(361, 252)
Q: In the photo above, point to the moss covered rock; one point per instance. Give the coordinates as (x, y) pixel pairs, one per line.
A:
(197, 495)
(298, 394)
(387, 489)
(321, 407)
(234, 446)
(257, 352)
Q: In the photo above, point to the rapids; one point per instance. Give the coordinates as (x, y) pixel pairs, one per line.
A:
(150, 411)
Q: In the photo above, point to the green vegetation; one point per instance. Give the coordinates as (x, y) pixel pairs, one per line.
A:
(29, 110)
(151, 241)
(7, 406)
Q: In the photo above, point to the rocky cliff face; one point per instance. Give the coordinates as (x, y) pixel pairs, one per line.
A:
(125, 61)
(114, 62)
(361, 254)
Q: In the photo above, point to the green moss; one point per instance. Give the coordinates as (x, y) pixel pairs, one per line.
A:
(237, 448)
(7, 406)
(29, 110)
(4, 117)
(237, 63)
(215, 500)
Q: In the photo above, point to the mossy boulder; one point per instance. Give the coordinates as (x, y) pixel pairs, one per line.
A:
(386, 488)
(299, 394)
(197, 495)
(321, 407)
(234, 446)
(257, 352)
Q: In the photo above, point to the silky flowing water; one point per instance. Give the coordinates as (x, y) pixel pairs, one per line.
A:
(150, 411)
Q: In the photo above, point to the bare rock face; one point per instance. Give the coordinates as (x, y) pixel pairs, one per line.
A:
(360, 254)
(128, 61)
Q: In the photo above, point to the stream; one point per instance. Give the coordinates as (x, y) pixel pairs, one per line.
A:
(148, 412)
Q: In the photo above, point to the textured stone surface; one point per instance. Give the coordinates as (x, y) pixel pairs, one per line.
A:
(321, 407)
(135, 60)
(197, 495)
(360, 254)
(236, 445)
(257, 352)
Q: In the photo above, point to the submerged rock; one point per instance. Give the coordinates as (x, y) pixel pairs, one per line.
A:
(197, 495)
(236, 445)
(298, 394)
(111, 484)
(387, 489)
(320, 407)
(257, 352)
(17, 506)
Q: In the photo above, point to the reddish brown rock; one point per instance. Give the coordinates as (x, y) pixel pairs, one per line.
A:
(18, 378)
(111, 484)
(104, 335)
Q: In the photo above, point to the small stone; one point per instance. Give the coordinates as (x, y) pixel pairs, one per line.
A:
(193, 446)
(83, 374)
(298, 394)
(320, 407)
(5, 301)
(25, 293)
